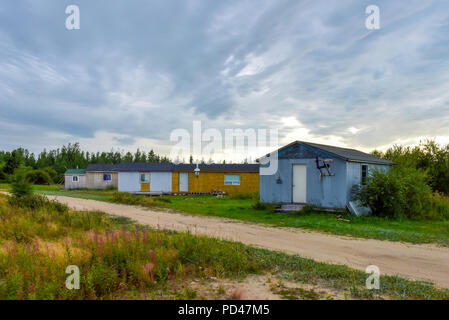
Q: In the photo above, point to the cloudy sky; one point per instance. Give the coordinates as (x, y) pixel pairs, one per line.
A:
(136, 70)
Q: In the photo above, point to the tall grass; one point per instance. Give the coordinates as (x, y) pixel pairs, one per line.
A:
(121, 260)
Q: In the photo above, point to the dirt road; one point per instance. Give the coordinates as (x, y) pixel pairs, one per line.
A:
(420, 262)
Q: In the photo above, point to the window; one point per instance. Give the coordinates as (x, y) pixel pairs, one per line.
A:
(75, 178)
(144, 177)
(107, 177)
(364, 174)
(232, 179)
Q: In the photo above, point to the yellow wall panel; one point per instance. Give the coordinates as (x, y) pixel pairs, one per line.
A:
(175, 181)
(209, 181)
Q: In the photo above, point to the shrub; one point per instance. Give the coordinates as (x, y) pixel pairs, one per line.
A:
(20, 186)
(263, 206)
(38, 177)
(35, 202)
(308, 209)
(401, 192)
(55, 176)
(128, 198)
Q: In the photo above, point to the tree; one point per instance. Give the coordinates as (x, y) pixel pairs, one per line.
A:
(20, 186)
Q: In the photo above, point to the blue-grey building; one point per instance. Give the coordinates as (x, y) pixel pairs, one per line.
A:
(316, 174)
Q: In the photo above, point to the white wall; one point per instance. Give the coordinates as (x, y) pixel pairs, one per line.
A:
(160, 182)
(128, 182)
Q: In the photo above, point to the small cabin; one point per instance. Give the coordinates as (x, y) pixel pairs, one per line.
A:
(316, 174)
(75, 179)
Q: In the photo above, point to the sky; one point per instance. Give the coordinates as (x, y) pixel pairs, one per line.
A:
(137, 70)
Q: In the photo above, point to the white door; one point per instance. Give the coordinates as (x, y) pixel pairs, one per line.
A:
(299, 183)
(183, 182)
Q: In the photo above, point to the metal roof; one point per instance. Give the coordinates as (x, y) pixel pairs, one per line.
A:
(344, 153)
(75, 171)
(168, 166)
(102, 167)
(217, 167)
(145, 166)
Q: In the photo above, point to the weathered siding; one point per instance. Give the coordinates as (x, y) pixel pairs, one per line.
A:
(80, 184)
(329, 191)
(95, 180)
(209, 181)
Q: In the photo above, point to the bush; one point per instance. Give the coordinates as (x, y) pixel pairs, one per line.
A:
(128, 198)
(20, 186)
(263, 206)
(401, 192)
(35, 202)
(38, 177)
(54, 176)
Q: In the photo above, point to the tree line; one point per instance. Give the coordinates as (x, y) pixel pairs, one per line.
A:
(55, 162)
(429, 157)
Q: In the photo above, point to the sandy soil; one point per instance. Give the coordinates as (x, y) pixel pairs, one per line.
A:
(259, 287)
(419, 262)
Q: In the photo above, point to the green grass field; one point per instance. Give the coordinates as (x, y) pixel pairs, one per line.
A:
(118, 259)
(414, 231)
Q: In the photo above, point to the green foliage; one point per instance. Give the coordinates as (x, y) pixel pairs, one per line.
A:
(20, 186)
(35, 202)
(39, 177)
(128, 198)
(401, 192)
(56, 162)
(119, 260)
(244, 195)
(308, 209)
(429, 157)
(259, 205)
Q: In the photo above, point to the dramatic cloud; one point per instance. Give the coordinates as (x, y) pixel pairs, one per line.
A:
(137, 70)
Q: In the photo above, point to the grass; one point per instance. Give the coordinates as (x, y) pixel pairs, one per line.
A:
(57, 190)
(414, 231)
(122, 260)
(241, 207)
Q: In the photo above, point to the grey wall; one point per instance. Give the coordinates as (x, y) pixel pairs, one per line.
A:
(354, 174)
(330, 191)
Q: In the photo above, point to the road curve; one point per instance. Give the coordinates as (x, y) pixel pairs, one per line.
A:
(418, 262)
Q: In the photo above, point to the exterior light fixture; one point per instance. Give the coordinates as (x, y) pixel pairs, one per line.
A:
(197, 171)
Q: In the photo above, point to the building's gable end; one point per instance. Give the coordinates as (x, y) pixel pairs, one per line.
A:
(303, 151)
